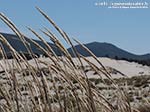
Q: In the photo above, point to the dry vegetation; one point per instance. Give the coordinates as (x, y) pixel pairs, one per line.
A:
(58, 86)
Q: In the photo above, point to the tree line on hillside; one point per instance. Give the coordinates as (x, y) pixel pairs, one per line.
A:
(143, 62)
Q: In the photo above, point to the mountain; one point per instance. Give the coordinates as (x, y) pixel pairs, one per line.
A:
(19, 46)
(99, 49)
(108, 50)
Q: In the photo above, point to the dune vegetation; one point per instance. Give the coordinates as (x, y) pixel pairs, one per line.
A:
(57, 85)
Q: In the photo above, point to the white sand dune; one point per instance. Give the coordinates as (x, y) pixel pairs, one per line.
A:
(128, 68)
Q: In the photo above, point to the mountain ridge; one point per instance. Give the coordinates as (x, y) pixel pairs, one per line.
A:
(18, 45)
(104, 49)
(100, 49)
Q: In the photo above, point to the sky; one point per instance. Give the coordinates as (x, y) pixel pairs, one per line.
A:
(84, 20)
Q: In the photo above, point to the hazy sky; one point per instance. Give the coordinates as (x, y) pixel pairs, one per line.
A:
(128, 29)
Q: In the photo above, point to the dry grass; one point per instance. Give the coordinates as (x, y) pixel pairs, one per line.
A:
(59, 86)
(144, 108)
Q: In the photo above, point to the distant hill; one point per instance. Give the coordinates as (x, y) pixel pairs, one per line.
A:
(99, 49)
(19, 46)
(108, 50)
(111, 51)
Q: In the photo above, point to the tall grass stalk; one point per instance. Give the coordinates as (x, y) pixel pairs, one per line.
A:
(55, 85)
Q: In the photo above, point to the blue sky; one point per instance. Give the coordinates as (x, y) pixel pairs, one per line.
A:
(128, 29)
